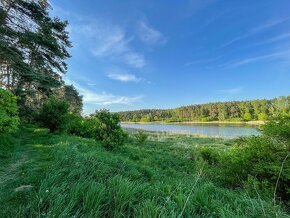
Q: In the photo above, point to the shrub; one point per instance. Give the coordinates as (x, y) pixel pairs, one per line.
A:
(278, 127)
(53, 114)
(209, 155)
(141, 136)
(9, 119)
(256, 163)
(109, 130)
(260, 158)
(84, 127)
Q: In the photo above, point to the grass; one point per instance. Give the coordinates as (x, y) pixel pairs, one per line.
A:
(76, 177)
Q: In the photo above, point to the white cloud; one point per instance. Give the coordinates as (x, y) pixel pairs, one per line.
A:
(114, 44)
(107, 41)
(123, 77)
(103, 98)
(134, 59)
(150, 35)
(108, 99)
(103, 39)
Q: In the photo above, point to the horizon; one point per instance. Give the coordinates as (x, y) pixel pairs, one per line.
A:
(136, 54)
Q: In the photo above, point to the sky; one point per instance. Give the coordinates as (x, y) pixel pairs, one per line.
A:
(134, 54)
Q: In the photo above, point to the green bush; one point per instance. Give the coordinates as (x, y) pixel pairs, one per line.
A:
(103, 126)
(209, 155)
(278, 127)
(109, 130)
(84, 127)
(258, 159)
(9, 119)
(54, 114)
(258, 163)
(141, 136)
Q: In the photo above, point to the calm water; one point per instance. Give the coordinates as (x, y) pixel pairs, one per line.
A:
(211, 130)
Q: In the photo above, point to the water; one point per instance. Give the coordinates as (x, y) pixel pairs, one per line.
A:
(209, 130)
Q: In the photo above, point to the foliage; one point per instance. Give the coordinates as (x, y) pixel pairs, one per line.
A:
(73, 176)
(103, 126)
(9, 119)
(256, 163)
(109, 130)
(141, 136)
(54, 114)
(33, 50)
(278, 127)
(85, 127)
(71, 95)
(220, 111)
(247, 116)
(210, 155)
(260, 158)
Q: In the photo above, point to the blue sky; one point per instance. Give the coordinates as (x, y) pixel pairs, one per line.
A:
(133, 54)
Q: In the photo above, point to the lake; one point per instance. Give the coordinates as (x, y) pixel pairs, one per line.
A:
(208, 130)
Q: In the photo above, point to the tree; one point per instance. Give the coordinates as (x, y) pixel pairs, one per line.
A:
(232, 110)
(109, 130)
(53, 114)
(71, 95)
(278, 127)
(33, 49)
(9, 119)
(247, 116)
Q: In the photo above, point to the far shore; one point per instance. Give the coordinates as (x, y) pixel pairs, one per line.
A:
(254, 122)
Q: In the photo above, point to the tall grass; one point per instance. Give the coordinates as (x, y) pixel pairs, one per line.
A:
(75, 177)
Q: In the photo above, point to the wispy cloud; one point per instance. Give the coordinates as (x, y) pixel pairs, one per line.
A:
(232, 91)
(108, 99)
(275, 55)
(103, 98)
(150, 35)
(256, 30)
(134, 59)
(106, 40)
(114, 44)
(273, 39)
(123, 77)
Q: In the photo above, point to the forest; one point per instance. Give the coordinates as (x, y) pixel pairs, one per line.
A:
(221, 111)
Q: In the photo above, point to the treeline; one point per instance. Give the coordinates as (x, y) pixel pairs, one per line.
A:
(220, 111)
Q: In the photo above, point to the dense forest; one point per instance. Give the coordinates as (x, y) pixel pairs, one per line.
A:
(220, 111)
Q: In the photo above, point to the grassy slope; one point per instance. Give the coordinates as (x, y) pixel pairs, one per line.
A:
(77, 177)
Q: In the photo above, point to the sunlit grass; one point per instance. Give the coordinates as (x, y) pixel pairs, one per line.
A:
(75, 177)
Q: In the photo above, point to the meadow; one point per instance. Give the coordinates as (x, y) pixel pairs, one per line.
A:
(59, 175)
(59, 159)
